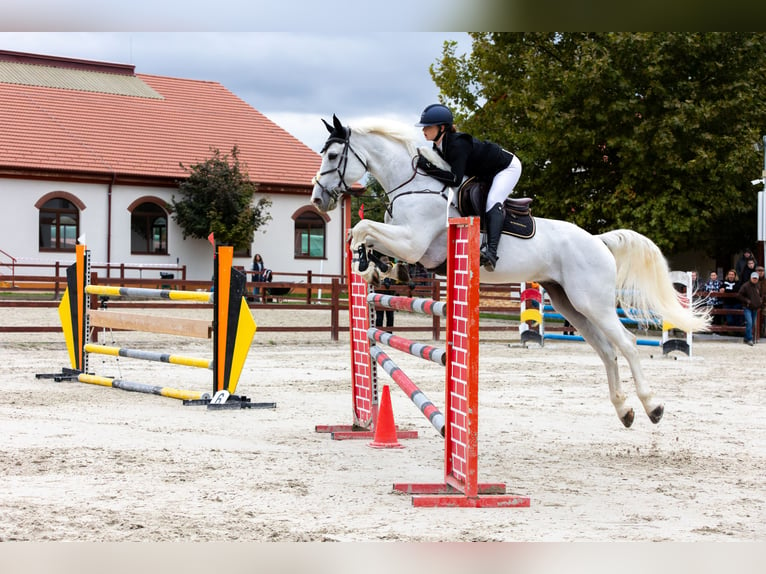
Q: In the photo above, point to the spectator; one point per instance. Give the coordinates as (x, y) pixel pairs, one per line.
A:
(731, 285)
(695, 283)
(750, 267)
(385, 289)
(750, 296)
(747, 254)
(714, 285)
(257, 270)
(762, 285)
(419, 275)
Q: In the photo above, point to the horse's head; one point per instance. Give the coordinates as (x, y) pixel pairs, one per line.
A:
(341, 167)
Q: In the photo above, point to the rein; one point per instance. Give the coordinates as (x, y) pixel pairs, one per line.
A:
(390, 206)
(345, 188)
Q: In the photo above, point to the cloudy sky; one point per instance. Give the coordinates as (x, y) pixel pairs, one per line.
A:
(293, 78)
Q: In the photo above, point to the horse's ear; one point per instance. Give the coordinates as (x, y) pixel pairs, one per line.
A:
(337, 124)
(328, 126)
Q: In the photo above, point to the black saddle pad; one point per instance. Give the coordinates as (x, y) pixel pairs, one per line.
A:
(522, 226)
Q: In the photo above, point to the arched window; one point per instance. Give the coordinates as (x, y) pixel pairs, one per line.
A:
(309, 234)
(59, 225)
(148, 229)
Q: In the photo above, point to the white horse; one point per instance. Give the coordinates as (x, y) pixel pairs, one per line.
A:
(586, 276)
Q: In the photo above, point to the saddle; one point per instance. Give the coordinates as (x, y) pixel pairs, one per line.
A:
(472, 201)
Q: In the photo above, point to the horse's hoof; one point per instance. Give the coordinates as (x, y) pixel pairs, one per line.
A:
(627, 418)
(656, 415)
(364, 263)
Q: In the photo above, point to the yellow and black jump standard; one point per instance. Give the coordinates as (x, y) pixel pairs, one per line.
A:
(232, 329)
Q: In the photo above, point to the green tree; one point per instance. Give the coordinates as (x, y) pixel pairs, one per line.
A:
(217, 197)
(650, 131)
(373, 198)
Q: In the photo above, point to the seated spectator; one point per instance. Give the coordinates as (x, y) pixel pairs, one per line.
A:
(731, 284)
(714, 285)
(257, 272)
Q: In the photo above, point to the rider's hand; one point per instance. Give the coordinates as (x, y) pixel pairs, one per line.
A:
(424, 164)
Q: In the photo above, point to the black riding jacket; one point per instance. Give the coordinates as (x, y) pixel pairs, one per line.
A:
(469, 156)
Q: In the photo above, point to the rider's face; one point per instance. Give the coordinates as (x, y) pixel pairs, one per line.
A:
(430, 132)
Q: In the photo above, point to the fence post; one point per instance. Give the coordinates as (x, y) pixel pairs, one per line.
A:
(335, 310)
(94, 305)
(56, 282)
(308, 287)
(436, 324)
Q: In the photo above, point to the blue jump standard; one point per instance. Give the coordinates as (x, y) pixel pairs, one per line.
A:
(650, 342)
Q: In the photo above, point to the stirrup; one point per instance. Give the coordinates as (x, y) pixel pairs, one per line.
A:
(487, 260)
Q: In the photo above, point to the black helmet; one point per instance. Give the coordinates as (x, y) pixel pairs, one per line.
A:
(435, 115)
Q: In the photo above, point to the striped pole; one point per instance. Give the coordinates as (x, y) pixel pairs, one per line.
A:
(232, 327)
(149, 356)
(428, 352)
(625, 317)
(421, 401)
(172, 294)
(409, 304)
(141, 387)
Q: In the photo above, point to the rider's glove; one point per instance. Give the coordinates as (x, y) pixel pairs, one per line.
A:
(442, 175)
(424, 164)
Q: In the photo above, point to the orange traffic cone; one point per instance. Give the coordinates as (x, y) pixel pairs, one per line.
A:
(385, 429)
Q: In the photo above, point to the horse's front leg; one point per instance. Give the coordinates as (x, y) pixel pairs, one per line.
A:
(394, 240)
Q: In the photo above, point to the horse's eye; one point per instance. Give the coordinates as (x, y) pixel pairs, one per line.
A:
(332, 156)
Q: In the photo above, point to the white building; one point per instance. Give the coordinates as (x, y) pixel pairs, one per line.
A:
(92, 148)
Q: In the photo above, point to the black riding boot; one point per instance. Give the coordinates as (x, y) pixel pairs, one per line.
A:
(494, 223)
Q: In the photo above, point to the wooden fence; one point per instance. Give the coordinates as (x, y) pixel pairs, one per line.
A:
(306, 292)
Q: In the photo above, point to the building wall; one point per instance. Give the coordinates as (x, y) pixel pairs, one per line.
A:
(19, 231)
(694, 261)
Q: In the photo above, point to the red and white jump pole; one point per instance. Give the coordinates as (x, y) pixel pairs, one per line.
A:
(461, 487)
(460, 418)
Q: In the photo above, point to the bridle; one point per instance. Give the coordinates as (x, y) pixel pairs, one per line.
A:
(343, 187)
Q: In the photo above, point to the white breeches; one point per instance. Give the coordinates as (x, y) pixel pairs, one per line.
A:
(504, 183)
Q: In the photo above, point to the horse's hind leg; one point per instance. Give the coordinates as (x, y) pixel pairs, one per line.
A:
(604, 320)
(597, 339)
(612, 328)
(626, 342)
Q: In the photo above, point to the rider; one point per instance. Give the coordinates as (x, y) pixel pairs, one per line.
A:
(468, 156)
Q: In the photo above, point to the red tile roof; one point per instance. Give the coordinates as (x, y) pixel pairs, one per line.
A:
(90, 133)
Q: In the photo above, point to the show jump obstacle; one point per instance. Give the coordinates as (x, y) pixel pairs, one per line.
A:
(535, 310)
(459, 423)
(232, 330)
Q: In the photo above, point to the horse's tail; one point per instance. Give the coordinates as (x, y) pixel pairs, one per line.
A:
(644, 287)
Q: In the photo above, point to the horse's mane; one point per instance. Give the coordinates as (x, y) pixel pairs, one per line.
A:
(391, 129)
(403, 134)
